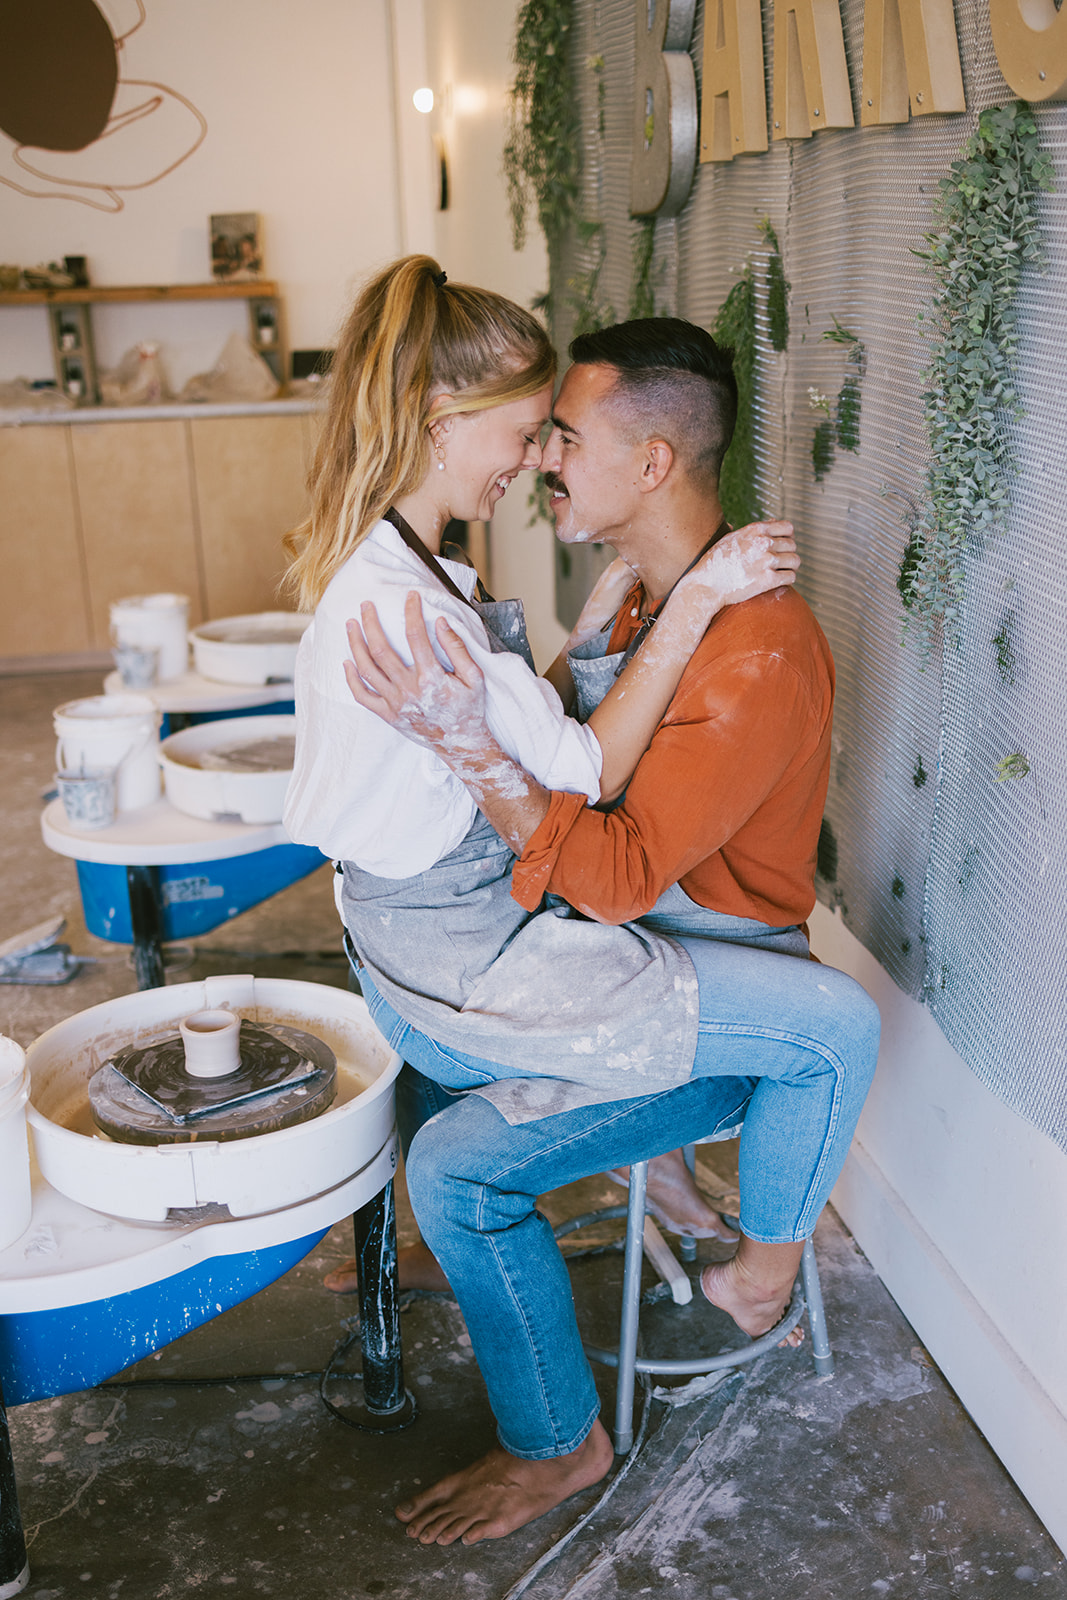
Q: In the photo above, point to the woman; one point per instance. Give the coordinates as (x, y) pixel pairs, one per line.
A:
(439, 395)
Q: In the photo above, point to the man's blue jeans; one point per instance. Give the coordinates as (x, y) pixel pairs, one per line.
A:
(788, 1045)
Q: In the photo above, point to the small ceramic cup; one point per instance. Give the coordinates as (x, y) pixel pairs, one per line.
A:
(212, 1042)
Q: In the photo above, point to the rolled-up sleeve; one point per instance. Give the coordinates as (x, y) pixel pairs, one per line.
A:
(733, 736)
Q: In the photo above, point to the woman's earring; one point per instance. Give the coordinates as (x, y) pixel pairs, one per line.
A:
(439, 453)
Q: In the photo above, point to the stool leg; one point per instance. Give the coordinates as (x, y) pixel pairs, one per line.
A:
(14, 1568)
(383, 1369)
(820, 1339)
(687, 1248)
(631, 1308)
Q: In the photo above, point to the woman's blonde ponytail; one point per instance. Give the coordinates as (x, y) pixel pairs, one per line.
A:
(409, 338)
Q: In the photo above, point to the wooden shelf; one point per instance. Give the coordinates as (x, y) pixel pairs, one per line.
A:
(72, 331)
(249, 289)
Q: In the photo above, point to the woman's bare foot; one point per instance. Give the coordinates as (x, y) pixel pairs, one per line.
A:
(754, 1286)
(675, 1201)
(417, 1268)
(501, 1492)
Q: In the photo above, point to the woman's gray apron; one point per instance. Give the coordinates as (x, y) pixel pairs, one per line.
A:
(613, 1010)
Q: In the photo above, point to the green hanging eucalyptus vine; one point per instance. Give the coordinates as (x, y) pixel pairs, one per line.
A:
(778, 288)
(988, 236)
(542, 159)
(735, 327)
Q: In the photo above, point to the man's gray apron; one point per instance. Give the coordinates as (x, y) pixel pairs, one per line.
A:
(610, 1009)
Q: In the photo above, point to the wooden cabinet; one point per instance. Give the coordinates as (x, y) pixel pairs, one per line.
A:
(137, 520)
(44, 602)
(249, 474)
(94, 510)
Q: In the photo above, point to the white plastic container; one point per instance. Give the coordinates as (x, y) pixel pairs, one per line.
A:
(112, 732)
(258, 648)
(155, 621)
(249, 1176)
(15, 1199)
(206, 791)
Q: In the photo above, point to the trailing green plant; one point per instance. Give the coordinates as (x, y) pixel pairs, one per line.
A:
(591, 309)
(988, 234)
(841, 418)
(822, 440)
(777, 290)
(642, 286)
(542, 161)
(822, 449)
(1005, 648)
(735, 328)
(598, 66)
(1013, 766)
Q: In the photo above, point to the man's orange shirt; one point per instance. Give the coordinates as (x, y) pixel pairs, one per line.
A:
(728, 798)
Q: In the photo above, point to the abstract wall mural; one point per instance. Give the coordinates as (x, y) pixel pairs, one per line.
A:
(73, 125)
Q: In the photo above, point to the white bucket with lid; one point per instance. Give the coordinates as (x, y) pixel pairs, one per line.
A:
(15, 1199)
(158, 622)
(112, 732)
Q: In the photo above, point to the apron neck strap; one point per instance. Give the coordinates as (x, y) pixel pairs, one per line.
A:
(428, 559)
(645, 626)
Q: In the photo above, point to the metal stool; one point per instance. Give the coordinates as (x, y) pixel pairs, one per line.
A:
(807, 1296)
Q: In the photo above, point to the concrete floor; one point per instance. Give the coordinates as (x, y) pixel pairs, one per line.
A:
(191, 1476)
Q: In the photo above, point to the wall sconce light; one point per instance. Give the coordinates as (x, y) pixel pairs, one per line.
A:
(422, 100)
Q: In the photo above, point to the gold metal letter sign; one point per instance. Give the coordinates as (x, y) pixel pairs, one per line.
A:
(811, 89)
(733, 114)
(910, 54)
(1030, 38)
(665, 108)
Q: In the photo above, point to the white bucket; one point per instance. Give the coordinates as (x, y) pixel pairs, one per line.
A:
(15, 1199)
(112, 731)
(155, 621)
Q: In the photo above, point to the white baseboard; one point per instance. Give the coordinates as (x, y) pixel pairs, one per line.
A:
(79, 661)
(1019, 1419)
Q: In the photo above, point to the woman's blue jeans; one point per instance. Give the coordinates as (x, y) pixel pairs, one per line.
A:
(788, 1045)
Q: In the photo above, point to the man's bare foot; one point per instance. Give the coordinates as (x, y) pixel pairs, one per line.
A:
(501, 1492)
(417, 1268)
(754, 1286)
(675, 1201)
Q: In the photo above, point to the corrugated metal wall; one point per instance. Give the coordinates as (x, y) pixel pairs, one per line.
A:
(954, 880)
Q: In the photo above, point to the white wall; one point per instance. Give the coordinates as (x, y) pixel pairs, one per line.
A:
(961, 1207)
(300, 127)
(469, 69)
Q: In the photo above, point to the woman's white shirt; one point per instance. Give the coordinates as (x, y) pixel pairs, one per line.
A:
(362, 792)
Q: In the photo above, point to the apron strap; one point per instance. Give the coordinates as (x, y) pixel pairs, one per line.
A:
(644, 628)
(416, 546)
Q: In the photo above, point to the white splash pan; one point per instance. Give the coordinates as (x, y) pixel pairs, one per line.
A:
(214, 795)
(249, 1176)
(228, 650)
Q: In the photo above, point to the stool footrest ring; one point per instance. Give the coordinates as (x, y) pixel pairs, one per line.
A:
(725, 1358)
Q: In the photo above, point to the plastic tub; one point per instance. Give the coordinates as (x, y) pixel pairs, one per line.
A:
(227, 794)
(258, 648)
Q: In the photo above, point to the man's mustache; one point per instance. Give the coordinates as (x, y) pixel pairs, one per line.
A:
(554, 482)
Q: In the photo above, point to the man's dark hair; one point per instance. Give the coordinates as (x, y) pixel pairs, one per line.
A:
(674, 382)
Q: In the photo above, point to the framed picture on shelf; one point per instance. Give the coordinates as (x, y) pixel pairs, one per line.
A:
(236, 253)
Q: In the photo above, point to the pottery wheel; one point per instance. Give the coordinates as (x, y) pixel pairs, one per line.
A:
(144, 1095)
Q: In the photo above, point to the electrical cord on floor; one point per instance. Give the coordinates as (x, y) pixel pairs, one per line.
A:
(404, 1420)
(321, 1375)
(561, 1544)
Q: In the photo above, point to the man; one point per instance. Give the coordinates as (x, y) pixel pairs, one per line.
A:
(716, 835)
